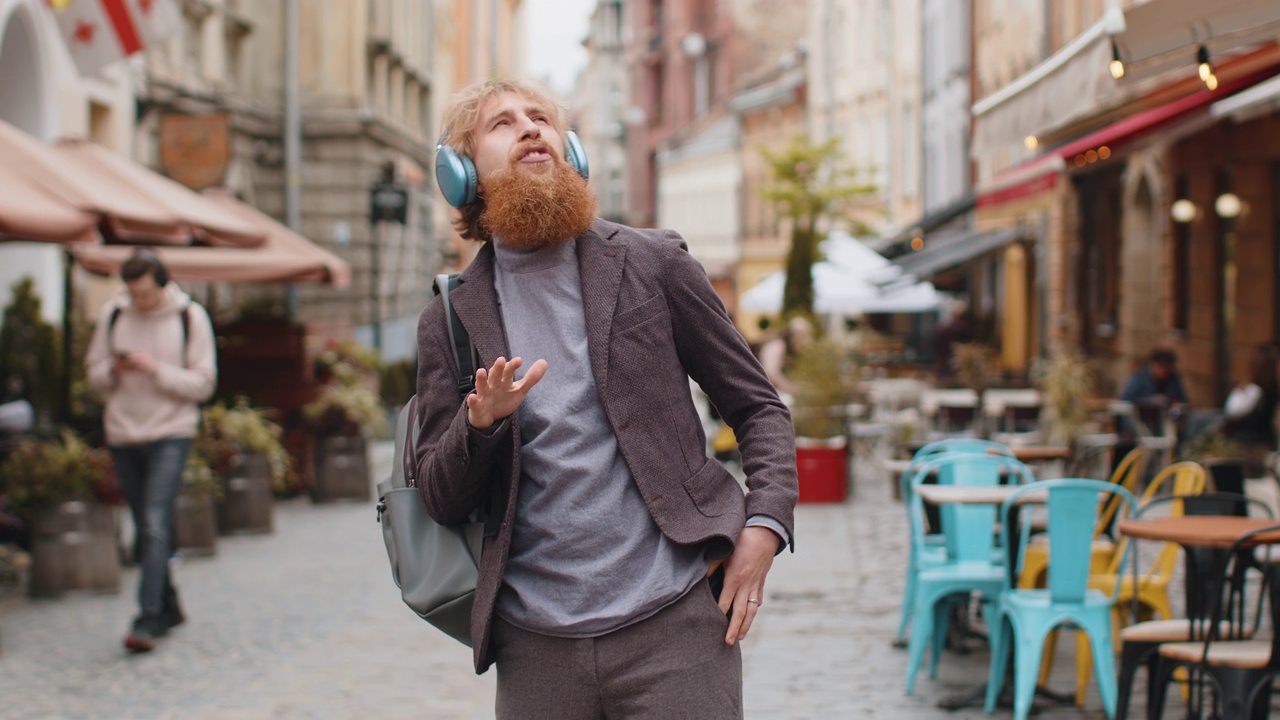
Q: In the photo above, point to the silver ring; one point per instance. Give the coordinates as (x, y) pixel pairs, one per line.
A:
(753, 600)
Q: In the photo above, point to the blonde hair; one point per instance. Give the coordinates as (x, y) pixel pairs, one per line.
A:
(463, 112)
(459, 125)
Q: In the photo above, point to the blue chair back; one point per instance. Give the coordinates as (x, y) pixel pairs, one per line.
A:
(1073, 505)
(942, 447)
(967, 529)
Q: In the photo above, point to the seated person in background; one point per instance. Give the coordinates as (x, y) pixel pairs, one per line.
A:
(1249, 414)
(1158, 378)
(776, 354)
(1158, 384)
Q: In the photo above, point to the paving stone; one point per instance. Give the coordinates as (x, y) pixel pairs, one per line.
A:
(306, 623)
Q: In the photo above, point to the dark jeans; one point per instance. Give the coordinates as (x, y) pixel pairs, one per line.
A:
(150, 478)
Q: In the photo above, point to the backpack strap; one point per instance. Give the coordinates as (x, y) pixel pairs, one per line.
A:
(411, 444)
(184, 316)
(464, 351)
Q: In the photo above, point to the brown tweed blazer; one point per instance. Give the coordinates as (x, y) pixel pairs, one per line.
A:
(653, 321)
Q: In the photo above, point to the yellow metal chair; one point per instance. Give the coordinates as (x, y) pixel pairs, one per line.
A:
(1152, 591)
(1036, 560)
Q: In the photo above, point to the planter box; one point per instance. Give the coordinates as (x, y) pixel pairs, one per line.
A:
(246, 505)
(823, 469)
(341, 469)
(195, 523)
(73, 547)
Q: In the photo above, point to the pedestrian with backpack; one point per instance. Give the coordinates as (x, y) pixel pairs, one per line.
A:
(152, 358)
(620, 566)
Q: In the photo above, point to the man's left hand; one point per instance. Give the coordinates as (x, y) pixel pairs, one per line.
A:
(744, 574)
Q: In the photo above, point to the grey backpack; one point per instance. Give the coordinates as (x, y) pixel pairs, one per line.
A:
(435, 566)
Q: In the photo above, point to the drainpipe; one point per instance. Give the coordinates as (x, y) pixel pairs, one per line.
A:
(292, 137)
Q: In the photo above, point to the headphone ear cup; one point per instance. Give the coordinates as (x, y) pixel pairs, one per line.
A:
(455, 176)
(575, 154)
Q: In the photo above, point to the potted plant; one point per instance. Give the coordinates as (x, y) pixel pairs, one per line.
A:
(818, 412)
(973, 365)
(345, 412)
(1222, 457)
(56, 486)
(195, 518)
(1066, 384)
(243, 448)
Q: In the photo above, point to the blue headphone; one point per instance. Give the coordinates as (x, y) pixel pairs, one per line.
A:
(456, 173)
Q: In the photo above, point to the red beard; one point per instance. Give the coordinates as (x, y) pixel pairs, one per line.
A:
(532, 210)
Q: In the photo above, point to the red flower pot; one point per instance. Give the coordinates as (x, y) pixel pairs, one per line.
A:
(822, 466)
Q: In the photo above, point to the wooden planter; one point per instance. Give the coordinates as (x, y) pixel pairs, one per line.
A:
(73, 547)
(246, 505)
(195, 523)
(823, 469)
(341, 469)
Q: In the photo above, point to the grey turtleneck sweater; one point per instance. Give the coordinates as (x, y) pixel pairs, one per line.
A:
(586, 556)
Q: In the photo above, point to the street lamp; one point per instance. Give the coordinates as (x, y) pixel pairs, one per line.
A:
(388, 203)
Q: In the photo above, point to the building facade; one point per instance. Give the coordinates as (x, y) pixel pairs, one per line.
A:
(43, 95)
(474, 41)
(771, 111)
(600, 101)
(864, 66)
(365, 96)
(1089, 159)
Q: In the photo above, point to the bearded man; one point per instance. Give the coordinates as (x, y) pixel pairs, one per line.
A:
(621, 566)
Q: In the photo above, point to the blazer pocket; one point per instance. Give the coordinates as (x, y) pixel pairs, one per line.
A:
(640, 314)
(714, 490)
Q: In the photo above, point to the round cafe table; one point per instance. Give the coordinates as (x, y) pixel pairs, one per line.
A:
(1211, 531)
(1216, 532)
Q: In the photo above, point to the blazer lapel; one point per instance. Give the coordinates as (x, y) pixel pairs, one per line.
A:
(476, 301)
(600, 263)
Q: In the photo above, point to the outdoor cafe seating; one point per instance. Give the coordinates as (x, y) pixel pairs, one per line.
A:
(955, 558)
(1238, 665)
(1140, 641)
(932, 549)
(967, 567)
(1024, 616)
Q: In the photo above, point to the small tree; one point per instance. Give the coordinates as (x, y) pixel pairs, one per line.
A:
(810, 185)
(30, 354)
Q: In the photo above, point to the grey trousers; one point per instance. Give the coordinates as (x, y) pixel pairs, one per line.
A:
(671, 666)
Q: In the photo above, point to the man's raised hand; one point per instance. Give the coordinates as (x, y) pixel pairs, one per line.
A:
(498, 393)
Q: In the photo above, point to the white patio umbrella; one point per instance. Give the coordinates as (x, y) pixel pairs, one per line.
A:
(846, 283)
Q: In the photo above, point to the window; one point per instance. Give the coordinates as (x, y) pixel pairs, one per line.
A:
(1181, 262)
(1225, 239)
(1275, 243)
(1100, 194)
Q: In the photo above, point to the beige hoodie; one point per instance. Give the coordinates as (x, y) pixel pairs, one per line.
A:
(141, 408)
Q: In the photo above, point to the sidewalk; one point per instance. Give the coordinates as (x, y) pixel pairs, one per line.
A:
(306, 623)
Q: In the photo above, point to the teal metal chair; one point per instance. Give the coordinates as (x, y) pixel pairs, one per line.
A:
(934, 550)
(968, 565)
(1025, 617)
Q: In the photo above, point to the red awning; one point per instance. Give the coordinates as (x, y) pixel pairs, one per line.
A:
(136, 203)
(285, 257)
(1029, 178)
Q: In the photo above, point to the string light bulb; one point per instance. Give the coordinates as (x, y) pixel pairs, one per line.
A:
(1117, 65)
(1203, 65)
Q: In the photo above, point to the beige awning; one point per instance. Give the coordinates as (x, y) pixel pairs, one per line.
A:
(285, 256)
(31, 214)
(103, 168)
(1161, 35)
(137, 204)
(1157, 41)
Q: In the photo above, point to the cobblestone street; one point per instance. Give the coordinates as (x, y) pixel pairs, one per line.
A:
(305, 623)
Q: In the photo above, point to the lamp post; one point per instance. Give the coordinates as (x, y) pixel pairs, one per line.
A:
(388, 203)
